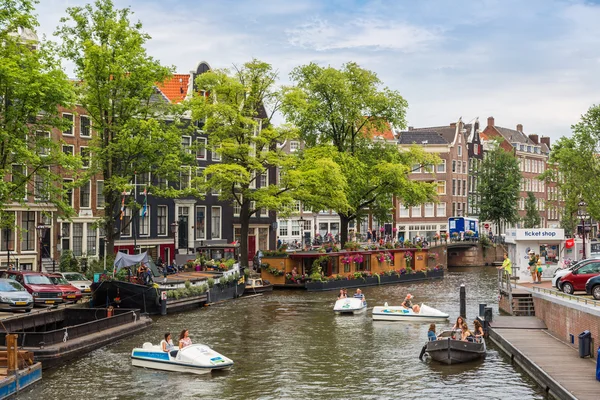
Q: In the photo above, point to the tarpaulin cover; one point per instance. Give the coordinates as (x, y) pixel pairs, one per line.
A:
(123, 260)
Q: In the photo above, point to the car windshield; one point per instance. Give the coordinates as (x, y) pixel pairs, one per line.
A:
(37, 280)
(6, 286)
(74, 276)
(59, 280)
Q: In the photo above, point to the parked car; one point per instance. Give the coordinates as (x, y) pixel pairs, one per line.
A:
(575, 280)
(14, 297)
(69, 292)
(561, 272)
(592, 286)
(79, 281)
(39, 285)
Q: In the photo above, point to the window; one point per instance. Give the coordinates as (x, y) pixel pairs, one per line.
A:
(464, 188)
(453, 165)
(429, 210)
(441, 168)
(215, 155)
(458, 191)
(85, 157)
(200, 226)
(441, 209)
(186, 143)
(464, 163)
(283, 228)
(201, 150)
(453, 209)
(294, 145)
(297, 206)
(459, 150)
(475, 148)
(19, 179)
(91, 240)
(42, 142)
(68, 149)
(65, 234)
(416, 211)
(6, 241)
(28, 230)
(200, 179)
(184, 178)
(144, 222)
(237, 207)
(68, 191)
(68, 118)
(215, 213)
(428, 169)
(84, 126)
(403, 211)
(441, 187)
(161, 220)
(78, 239)
(416, 169)
(307, 225)
(264, 179)
(41, 185)
(100, 194)
(252, 208)
(458, 168)
(453, 187)
(84, 195)
(295, 228)
(126, 222)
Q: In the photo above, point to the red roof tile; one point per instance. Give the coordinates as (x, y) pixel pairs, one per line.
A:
(175, 88)
(387, 134)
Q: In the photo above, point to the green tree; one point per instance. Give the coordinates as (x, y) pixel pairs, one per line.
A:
(349, 108)
(238, 127)
(32, 87)
(500, 181)
(532, 215)
(136, 133)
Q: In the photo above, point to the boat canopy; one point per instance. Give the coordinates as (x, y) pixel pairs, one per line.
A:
(123, 260)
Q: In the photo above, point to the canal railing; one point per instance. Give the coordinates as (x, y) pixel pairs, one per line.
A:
(557, 293)
(505, 287)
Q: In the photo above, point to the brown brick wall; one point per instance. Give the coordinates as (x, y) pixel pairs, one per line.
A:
(474, 256)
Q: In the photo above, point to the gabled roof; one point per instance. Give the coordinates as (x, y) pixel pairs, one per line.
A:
(387, 134)
(513, 136)
(422, 137)
(175, 88)
(448, 132)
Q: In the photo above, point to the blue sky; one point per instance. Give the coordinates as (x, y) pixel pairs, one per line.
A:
(531, 62)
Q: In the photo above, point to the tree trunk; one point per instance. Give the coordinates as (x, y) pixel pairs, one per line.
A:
(244, 228)
(111, 204)
(344, 221)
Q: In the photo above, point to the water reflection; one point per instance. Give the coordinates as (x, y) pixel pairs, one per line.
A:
(290, 345)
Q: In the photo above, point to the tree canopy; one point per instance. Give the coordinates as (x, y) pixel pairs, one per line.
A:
(532, 215)
(32, 87)
(136, 132)
(500, 182)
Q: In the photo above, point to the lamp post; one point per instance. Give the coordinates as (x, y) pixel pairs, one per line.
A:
(581, 210)
(41, 228)
(301, 230)
(174, 226)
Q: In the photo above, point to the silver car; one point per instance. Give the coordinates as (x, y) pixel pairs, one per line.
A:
(14, 297)
(79, 281)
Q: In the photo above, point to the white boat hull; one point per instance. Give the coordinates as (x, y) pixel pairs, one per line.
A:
(196, 359)
(399, 313)
(350, 305)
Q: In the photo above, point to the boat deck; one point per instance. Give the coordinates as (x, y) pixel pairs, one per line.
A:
(555, 365)
(188, 276)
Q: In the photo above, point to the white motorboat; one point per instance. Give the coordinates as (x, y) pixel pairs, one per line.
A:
(350, 305)
(195, 359)
(399, 313)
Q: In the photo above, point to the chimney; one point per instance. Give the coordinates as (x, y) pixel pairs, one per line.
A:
(519, 128)
(490, 121)
(535, 139)
(453, 124)
(546, 141)
(410, 128)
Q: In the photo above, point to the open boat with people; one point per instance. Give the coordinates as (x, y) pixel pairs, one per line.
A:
(195, 359)
(400, 313)
(447, 349)
(350, 305)
(257, 285)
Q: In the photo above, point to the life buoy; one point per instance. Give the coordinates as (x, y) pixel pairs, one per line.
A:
(110, 311)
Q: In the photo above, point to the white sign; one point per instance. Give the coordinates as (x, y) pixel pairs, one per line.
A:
(85, 213)
(539, 234)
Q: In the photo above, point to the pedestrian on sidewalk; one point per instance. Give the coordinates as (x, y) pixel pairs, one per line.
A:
(506, 265)
(539, 268)
(532, 266)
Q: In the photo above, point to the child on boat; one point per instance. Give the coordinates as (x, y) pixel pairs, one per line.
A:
(431, 333)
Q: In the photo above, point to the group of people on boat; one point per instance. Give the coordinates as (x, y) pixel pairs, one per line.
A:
(461, 326)
(168, 346)
(358, 295)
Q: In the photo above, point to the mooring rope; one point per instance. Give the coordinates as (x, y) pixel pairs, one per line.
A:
(66, 336)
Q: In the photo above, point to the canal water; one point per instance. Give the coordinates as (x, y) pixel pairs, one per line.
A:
(290, 345)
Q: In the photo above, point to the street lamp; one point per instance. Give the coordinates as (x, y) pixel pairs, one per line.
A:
(301, 230)
(174, 226)
(6, 239)
(41, 229)
(581, 210)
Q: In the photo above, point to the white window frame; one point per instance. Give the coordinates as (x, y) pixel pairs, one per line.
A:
(43, 151)
(441, 167)
(195, 221)
(72, 128)
(69, 180)
(188, 147)
(438, 186)
(145, 222)
(127, 231)
(25, 183)
(294, 145)
(89, 157)
(441, 207)
(203, 147)
(237, 208)
(212, 222)
(295, 227)
(264, 175)
(81, 125)
(98, 193)
(283, 228)
(429, 210)
(37, 192)
(166, 216)
(89, 183)
(459, 150)
(215, 156)
(404, 212)
(66, 146)
(414, 212)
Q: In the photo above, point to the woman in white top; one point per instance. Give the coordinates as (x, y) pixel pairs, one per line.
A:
(167, 345)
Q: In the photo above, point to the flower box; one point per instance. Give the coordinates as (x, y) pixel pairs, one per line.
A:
(435, 273)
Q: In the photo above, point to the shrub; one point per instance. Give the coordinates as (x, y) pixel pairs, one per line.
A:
(315, 277)
(68, 262)
(211, 282)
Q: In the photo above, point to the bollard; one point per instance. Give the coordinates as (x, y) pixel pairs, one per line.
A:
(488, 314)
(463, 301)
(482, 309)
(163, 303)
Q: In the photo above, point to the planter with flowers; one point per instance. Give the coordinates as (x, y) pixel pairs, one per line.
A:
(437, 272)
(408, 257)
(436, 238)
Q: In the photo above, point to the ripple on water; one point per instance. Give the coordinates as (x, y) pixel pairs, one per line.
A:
(290, 345)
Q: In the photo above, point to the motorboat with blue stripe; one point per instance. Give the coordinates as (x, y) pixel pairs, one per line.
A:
(350, 305)
(400, 313)
(195, 359)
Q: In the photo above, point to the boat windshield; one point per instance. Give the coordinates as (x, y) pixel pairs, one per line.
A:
(75, 276)
(8, 286)
(37, 280)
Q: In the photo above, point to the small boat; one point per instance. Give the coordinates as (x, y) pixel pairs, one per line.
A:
(448, 350)
(258, 285)
(399, 313)
(195, 359)
(350, 305)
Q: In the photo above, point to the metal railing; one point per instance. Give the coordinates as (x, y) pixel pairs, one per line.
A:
(505, 285)
(557, 293)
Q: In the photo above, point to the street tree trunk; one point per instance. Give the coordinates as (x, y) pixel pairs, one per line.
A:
(244, 228)
(344, 222)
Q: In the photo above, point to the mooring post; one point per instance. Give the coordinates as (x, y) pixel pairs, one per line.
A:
(463, 301)
(11, 353)
(163, 303)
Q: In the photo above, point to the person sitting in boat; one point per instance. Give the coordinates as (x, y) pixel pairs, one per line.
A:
(466, 335)
(184, 339)
(478, 330)
(431, 333)
(407, 303)
(359, 295)
(167, 345)
(459, 323)
(342, 295)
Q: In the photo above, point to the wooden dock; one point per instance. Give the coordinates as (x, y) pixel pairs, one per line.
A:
(555, 365)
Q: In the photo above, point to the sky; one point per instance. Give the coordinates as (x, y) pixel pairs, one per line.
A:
(531, 62)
